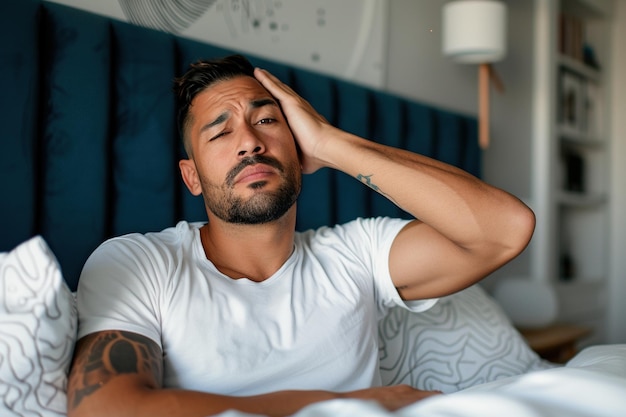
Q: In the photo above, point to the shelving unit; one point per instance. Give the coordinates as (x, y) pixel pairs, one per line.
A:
(580, 193)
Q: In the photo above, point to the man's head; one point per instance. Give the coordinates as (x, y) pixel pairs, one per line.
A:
(242, 155)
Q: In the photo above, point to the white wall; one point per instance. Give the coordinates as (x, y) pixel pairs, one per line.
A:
(416, 67)
(617, 284)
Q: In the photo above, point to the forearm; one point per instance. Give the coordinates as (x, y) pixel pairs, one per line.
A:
(122, 401)
(456, 204)
(125, 399)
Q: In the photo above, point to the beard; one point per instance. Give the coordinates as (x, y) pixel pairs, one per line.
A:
(260, 208)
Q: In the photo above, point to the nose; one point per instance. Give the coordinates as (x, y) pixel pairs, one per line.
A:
(250, 143)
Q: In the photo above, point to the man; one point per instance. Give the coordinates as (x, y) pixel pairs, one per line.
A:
(243, 312)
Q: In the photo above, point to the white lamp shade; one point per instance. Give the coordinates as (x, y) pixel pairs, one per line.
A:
(474, 31)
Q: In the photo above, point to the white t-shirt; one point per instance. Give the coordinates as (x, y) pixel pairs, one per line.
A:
(312, 325)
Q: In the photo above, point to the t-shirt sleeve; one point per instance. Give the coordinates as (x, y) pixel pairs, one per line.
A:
(117, 291)
(379, 233)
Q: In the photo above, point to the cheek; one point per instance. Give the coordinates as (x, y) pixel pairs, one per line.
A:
(290, 145)
(210, 173)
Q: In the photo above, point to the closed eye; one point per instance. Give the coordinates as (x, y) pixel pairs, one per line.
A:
(219, 135)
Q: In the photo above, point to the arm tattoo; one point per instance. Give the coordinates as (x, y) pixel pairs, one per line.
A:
(109, 354)
(367, 180)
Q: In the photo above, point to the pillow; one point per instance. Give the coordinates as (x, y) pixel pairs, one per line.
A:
(37, 332)
(463, 340)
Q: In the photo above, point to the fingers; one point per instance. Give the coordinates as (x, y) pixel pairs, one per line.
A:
(310, 129)
(276, 87)
(392, 397)
(290, 101)
(403, 395)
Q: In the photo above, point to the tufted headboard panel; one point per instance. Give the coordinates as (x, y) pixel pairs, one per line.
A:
(88, 142)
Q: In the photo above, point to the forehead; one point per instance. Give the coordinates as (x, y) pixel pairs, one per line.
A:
(235, 92)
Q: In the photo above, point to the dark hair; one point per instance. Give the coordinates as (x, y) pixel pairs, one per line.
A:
(199, 76)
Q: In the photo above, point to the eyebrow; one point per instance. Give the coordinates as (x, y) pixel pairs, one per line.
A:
(255, 104)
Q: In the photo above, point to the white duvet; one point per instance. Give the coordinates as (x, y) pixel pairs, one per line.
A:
(593, 384)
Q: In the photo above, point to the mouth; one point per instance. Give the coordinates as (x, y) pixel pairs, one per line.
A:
(255, 168)
(254, 173)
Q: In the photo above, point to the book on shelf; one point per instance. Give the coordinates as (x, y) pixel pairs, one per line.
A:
(572, 40)
(579, 107)
(571, 101)
(571, 36)
(574, 172)
(592, 111)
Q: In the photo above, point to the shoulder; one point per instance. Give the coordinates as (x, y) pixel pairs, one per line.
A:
(359, 229)
(136, 250)
(171, 238)
(360, 237)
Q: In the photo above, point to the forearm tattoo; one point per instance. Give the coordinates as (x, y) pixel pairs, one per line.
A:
(109, 354)
(367, 180)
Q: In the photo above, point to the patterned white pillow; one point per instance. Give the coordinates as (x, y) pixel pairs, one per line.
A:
(37, 332)
(463, 340)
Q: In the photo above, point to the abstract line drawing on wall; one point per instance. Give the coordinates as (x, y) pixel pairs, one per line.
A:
(344, 38)
(167, 15)
(244, 16)
(240, 16)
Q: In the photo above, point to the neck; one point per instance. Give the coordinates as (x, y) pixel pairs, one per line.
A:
(254, 252)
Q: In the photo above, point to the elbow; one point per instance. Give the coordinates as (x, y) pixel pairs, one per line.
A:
(526, 221)
(519, 229)
(508, 234)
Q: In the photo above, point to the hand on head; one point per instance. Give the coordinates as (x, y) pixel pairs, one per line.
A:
(310, 129)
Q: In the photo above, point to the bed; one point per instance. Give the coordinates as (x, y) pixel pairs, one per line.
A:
(90, 151)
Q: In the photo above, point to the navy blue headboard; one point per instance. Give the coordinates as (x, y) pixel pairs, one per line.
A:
(88, 143)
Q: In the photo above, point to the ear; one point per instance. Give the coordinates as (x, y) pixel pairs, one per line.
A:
(190, 176)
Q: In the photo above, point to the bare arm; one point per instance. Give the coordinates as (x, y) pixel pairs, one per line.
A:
(466, 228)
(116, 373)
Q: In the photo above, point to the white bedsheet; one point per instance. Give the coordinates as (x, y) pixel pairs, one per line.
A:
(593, 384)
